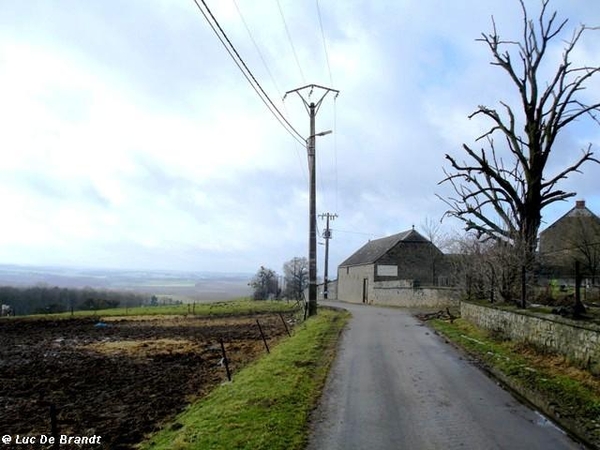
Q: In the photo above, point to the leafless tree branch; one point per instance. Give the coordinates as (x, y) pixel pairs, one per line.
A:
(503, 199)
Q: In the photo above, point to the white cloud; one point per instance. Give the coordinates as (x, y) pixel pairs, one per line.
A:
(130, 138)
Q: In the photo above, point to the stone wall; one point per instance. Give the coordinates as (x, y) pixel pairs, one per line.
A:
(396, 293)
(358, 283)
(579, 342)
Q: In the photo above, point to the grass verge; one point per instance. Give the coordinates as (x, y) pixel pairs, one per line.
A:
(233, 307)
(569, 395)
(268, 404)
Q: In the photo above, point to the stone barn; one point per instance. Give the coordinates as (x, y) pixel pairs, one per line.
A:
(405, 269)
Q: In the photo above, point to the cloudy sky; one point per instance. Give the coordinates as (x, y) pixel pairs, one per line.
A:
(129, 138)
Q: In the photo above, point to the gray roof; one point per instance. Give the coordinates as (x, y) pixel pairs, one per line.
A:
(375, 249)
(578, 211)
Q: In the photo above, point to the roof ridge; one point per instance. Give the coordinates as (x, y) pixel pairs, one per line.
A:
(571, 214)
(374, 249)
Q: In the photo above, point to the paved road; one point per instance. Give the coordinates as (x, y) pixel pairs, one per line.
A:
(396, 385)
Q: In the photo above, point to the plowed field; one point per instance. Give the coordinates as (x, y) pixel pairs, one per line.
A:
(119, 379)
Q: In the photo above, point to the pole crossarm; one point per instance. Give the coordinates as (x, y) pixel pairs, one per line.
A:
(312, 87)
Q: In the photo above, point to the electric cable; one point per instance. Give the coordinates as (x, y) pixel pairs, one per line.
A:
(335, 152)
(257, 48)
(324, 43)
(248, 74)
(262, 58)
(352, 232)
(287, 31)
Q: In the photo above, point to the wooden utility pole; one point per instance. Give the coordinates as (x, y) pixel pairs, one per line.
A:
(579, 309)
(312, 108)
(327, 236)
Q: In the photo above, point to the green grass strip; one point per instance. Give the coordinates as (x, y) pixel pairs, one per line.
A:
(268, 404)
(199, 309)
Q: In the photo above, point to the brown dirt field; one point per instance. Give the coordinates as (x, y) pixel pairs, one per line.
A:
(120, 381)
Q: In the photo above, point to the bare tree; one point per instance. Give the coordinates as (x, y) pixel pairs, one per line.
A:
(295, 273)
(467, 264)
(265, 284)
(501, 190)
(585, 240)
(485, 270)
(432, 229)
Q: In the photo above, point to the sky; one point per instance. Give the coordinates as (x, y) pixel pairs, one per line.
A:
(129, 138)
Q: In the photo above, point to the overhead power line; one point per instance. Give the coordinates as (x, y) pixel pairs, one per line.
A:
(257, 48)
(233, 53)
(335, 152)
(287, 31)
(334, 103)
(353, 232)
(324, 43)
(264, 61)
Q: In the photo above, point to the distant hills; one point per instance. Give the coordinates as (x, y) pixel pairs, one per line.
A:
(186, 286)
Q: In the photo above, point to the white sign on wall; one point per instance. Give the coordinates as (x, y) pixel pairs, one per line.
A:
(387, 271)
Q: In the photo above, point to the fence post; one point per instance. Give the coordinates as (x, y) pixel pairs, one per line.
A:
(54, 426)
(225, 359)
(493, 286)
(468, 280)
(285, 324)
(523, 288)
(579, 309)
(263, 336)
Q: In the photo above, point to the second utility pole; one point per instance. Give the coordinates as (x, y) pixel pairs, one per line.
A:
(327, 236)
(312, 108)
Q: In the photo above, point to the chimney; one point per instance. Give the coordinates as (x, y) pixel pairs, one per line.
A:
(580, 204)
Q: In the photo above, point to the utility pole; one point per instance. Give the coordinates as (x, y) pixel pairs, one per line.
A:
(327, 236)
(312, 108)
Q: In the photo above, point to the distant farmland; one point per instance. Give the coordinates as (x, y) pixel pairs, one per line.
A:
(185, 286)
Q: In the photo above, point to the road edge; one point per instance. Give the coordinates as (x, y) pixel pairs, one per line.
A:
(526, 396)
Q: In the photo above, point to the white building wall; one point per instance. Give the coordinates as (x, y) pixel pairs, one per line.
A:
(351, 282)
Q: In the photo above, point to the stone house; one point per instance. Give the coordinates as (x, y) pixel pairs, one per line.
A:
(573, 237)
(402, 261)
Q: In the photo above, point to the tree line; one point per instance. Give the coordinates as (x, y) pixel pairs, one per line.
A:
(48, 300)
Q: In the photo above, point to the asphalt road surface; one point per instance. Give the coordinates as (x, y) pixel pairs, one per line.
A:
(397, 385)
